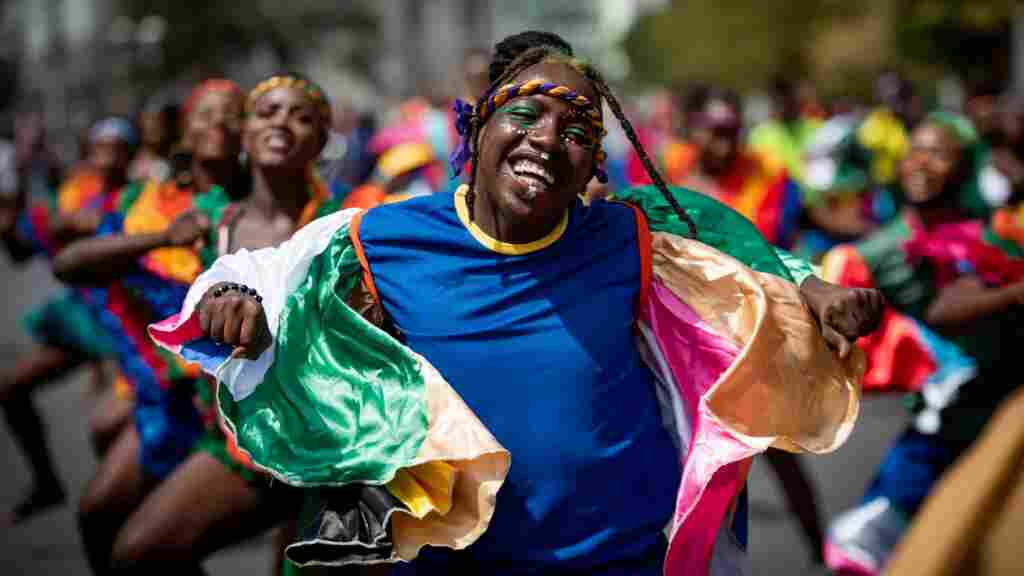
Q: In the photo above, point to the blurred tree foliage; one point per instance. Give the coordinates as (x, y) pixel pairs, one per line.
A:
(202, 36)
(968, 37)
(839, 43)
(740, 43)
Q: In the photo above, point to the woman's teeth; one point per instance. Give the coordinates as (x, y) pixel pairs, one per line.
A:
(531, 169)
(918, 180)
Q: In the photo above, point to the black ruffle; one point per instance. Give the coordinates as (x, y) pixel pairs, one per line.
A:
(349, 525)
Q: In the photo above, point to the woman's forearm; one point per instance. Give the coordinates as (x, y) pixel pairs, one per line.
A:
(968, 300)
(100, 259)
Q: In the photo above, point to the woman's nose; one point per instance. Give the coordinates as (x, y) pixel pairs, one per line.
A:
(544, 135)
(279, 119)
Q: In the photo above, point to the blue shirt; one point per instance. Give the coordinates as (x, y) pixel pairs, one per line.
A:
(539, 341)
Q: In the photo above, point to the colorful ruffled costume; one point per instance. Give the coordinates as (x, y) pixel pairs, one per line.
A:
(166, 416)
(695, 363)
(65, 321)
(959, 381)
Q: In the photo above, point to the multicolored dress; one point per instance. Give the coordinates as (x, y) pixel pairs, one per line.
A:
(468, 376)
(165, 416)
(959, 381)
(65, 321)
(172, 414)
(754, 186)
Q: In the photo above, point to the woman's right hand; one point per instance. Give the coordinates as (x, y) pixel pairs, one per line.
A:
(233, 314)
(189, 229)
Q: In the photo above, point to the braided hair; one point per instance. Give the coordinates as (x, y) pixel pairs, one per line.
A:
(534, 48)
(512, 47)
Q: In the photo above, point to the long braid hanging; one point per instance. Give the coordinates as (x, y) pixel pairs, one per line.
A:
(627, 127)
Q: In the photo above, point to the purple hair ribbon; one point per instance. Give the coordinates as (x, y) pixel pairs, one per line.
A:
(463, 122)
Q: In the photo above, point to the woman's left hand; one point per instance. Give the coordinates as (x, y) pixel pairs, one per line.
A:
(844, 314)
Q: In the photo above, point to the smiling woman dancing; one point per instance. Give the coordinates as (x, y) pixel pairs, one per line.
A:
(356, 347)
(204, 497)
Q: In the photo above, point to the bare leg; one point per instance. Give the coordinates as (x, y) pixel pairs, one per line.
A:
(116, 489)
(42, 366)
(282, 537)
(109, 417)
(800, 496)
(202, 507)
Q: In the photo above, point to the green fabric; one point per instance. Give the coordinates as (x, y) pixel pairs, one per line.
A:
(908, 287)
(718, 226)
(343, 401)
(65, 322)
(327, 208)
(1013, 249)
(129, 195)
(848, 180)
(959, 125)
(212, 203)
(799, 269)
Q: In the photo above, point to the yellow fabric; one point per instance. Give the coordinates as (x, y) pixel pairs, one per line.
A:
(404, 158)
(460, 465)
(786, 388)
(755, 190)
(123, 388)
(425, 488)
(971, 523)
(154, 211)
(884, 135)
(78, 190)
(499, 246)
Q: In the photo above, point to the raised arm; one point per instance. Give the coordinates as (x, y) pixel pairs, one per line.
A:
(967, 300)
(239, 300)
(100, 259)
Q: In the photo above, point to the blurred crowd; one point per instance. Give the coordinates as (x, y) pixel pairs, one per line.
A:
(924, 205)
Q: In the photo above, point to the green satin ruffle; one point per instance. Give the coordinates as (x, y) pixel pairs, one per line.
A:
(718, 226)
(343, 401)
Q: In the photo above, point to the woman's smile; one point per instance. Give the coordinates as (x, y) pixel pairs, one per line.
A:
(278, 141)
(533, 172)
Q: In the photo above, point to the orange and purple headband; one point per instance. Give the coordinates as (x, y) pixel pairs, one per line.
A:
(466, 115)
(308, 87)
(207, 86)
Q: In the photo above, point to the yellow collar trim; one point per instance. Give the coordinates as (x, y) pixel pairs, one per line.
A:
(499, 246)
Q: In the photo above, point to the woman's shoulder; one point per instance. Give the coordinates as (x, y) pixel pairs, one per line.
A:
(608, 215)
(416, 211)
